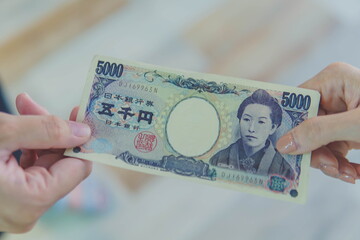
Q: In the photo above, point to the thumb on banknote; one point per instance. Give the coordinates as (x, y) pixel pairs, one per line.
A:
(320, 131)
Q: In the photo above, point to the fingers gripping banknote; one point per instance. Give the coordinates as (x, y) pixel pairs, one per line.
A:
(207, 128)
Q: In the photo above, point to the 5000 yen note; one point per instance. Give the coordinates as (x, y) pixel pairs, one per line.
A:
(207, 128)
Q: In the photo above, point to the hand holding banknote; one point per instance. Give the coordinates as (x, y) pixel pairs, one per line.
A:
(206, 128)
(44, 174)
(337, 130)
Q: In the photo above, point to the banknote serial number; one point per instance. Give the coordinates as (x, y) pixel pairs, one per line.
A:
(240, 178)
(138, 86)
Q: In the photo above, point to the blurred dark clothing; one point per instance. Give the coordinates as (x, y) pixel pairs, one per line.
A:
(3, 103)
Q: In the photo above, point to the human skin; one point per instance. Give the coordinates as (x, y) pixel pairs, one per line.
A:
(336, 130)
(44, 174)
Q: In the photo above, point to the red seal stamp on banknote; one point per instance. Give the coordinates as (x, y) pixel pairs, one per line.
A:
(145, 142)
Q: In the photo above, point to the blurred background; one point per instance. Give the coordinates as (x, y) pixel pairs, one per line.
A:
(45, 50)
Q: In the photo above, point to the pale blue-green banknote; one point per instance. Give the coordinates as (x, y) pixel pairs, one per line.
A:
(206, 128)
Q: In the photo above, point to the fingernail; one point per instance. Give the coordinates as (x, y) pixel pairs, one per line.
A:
(329, 170)
(286, 144)
(27, 95)
(79, 129)
(347, 178)
(19, 98)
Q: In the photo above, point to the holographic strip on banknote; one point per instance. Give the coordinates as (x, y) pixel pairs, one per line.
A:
(208, 128)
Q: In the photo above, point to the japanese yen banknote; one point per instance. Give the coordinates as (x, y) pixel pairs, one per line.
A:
(207, 128)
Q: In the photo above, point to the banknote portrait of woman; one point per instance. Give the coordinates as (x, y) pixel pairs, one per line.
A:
(259, 116)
